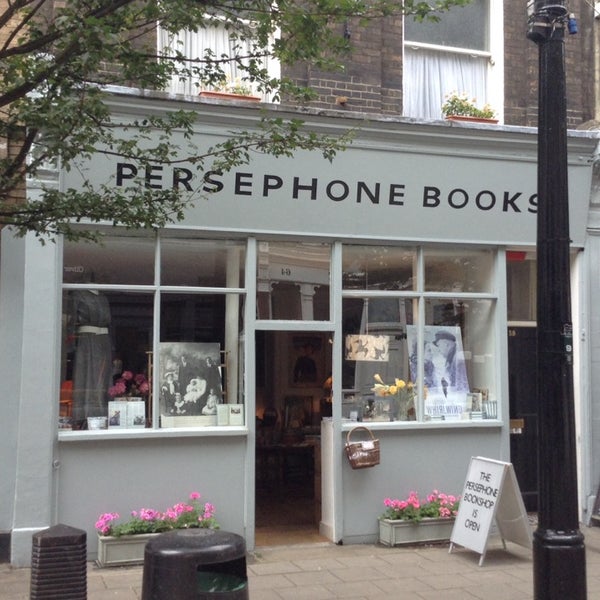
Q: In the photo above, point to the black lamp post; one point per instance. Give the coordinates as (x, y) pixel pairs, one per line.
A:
(558, 546)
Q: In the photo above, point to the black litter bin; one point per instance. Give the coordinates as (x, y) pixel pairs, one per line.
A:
(195, 564)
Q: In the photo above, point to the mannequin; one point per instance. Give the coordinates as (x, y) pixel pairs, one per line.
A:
(92, 365)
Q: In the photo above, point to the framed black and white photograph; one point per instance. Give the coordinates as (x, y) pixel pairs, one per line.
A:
(444, 369)
(190, 378)
(117, 414)
(136, 414)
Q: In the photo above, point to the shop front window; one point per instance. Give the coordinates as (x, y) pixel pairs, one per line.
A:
(198, 354)
(420, 354)
(151, 331)
(293, 281)
(458, 270)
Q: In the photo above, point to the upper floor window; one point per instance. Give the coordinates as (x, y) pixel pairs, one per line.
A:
(460, 53)
(214, 43)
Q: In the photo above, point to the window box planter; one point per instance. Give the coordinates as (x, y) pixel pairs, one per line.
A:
(467, 119)
(122, 550)
(396, 533)
(228, 96)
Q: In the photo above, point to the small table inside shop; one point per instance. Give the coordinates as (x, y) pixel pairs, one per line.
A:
(284, 463)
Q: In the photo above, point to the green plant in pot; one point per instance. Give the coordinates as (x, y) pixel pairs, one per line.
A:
(460, 105)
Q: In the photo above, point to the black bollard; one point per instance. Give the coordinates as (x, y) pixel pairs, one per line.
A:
(59, 564)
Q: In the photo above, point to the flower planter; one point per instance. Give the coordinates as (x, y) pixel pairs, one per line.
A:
(228, 96)
(396, 533)
(122, 550)
(466, 119)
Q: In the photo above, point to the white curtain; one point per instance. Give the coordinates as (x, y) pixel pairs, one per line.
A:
(430, 75)
(193, 45)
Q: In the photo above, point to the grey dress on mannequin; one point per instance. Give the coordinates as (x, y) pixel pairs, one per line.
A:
(92, 369)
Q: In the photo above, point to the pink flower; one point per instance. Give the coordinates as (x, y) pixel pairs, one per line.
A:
(118, 389)
(130, 385)
(104, 521)
(146, 514)
(194, 496)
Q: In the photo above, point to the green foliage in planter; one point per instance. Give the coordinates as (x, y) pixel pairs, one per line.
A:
(461, 105)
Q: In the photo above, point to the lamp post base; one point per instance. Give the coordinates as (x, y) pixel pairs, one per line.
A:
(554, 575)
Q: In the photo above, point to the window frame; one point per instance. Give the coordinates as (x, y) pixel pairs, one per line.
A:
(157, 291)
(494, 56)
(421, 296)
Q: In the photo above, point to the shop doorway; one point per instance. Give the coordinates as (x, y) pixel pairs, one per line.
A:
(522, 369)
(291, 371)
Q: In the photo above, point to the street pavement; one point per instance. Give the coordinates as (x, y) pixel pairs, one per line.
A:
(325, 571)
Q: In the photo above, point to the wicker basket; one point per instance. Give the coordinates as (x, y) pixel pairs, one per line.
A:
(362, 454)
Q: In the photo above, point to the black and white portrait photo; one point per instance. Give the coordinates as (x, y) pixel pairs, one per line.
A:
(444, 369)
(190, 378)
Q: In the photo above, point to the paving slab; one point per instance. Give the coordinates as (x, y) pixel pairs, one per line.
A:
(325, 571)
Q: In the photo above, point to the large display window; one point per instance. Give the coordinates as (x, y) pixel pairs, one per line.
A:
(151, 329)
(163, 349)
(413, 351)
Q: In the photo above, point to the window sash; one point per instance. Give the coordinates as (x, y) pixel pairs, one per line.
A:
(193, 45)
(430, 75)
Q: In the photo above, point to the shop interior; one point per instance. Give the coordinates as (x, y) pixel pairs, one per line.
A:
(293, 394)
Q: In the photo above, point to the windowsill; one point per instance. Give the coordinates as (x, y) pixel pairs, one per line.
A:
(399, 425)
(135, 434)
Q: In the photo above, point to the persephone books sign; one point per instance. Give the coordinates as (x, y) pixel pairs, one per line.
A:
(491, 494)
(426, 191)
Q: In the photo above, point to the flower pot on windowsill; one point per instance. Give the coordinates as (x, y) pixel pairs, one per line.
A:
(398, 532)
(122, 550)
(228, 96)
(468, 119)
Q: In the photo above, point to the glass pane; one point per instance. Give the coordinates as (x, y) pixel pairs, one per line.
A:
(106, 346)
(378, 268)
(199, 359)
(459, 359)
(461, 27)
(118, 260)
(293, 281)
(375, 343)
(206, 263)
(521, 287)
(459, 270)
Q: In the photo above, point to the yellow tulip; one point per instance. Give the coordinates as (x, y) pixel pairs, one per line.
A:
(377, 377)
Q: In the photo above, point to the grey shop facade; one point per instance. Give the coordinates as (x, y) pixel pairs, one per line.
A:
(260, 324)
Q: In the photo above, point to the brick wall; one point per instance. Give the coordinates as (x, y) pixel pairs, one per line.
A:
(372, 79)
(521, 67)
